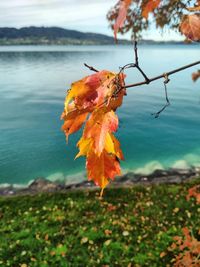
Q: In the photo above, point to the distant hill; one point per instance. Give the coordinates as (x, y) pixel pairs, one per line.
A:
(59, 36)
(52, 35)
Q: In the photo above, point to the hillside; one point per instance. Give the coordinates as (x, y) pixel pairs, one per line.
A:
(51, 35)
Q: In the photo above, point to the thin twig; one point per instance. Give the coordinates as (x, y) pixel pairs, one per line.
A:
(157, 114)
(90, 67)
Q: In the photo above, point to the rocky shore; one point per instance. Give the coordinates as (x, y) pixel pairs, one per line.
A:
(170, 176)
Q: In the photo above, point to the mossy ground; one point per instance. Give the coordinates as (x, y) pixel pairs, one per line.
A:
(128, 227)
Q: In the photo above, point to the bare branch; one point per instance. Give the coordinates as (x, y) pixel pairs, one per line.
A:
(136, 53)
(162, 75)
(136, 65)
(90, 68)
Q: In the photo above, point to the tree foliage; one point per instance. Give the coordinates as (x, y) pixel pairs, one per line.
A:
(139, 15)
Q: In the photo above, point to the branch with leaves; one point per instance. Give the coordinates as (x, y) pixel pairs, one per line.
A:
(93, 100)
(137, 15)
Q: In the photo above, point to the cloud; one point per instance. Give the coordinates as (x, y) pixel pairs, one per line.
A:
(84, 14)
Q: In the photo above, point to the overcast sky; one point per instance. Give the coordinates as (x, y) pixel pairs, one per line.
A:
(83, 15)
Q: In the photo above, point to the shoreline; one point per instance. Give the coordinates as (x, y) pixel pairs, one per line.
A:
(42, 185)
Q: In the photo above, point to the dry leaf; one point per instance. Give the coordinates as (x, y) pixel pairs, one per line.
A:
(190, 27)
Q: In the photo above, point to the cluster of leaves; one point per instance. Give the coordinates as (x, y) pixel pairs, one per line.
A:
(194, 192)
(133, 15)
(128, 227)
(93, 101)
(188, 248)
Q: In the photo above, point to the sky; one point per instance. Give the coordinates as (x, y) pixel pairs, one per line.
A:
(82, 15)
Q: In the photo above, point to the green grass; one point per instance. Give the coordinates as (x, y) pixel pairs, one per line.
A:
(129, 227)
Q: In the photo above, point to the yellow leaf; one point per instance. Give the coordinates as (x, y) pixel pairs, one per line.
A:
(84, 145)
(84, 240)
(107, 242)
(109, 145)
(125, 233)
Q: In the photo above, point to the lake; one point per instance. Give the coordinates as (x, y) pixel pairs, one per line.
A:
(33, 84)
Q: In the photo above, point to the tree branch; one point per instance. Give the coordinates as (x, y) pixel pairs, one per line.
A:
(135, 65)
(147, 80)
(162, 75)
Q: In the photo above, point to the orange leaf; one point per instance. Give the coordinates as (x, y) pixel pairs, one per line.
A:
(194, 192)
(123, 8)
(196, 75)
(149, 7)
(190, 27)
(102, 168)
(72, 125)
(91, 90)
(99, 124)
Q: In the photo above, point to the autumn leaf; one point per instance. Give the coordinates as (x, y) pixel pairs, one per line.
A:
(123, 8)
(102, 168)
(196, 75)
(91, 90)
(112, 145)
(99, 124)
(190, 27)
(84, 145)
(149, 7)
(194, 192)
(188, 247)
(71, 126)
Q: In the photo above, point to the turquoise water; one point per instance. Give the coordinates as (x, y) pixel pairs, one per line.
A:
(33, 83)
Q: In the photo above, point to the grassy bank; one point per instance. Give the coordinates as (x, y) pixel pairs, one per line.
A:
(129, 227)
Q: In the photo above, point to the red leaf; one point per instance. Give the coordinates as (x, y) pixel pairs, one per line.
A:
(190, 27)
(73, 125)
(196, 75)
(123, 8)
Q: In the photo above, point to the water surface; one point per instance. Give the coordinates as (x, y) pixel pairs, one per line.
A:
(33, 84)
